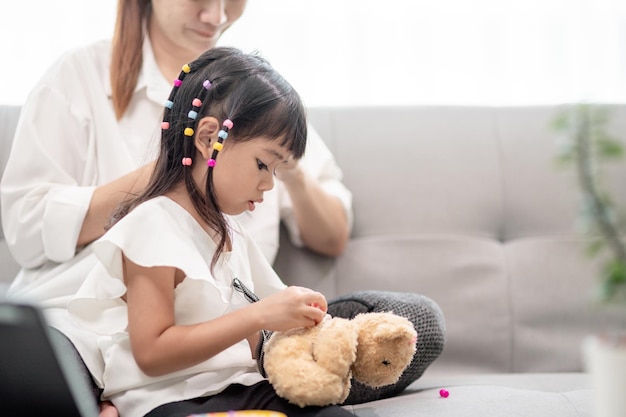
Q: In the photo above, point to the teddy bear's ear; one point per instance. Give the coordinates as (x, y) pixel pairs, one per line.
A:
(385, 325)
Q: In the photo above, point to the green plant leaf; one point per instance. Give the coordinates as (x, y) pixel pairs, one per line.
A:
(609, 148)
(595, 247)
(561, 123)
(584, 126)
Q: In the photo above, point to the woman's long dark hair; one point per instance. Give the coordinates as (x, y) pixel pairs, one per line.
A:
(246, 90)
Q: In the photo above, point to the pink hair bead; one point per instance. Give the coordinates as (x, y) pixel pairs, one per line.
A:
(177, 83)
(211, 162)
(196, 102)
(165, 125)
(444, 393)
(187, 161)
(228, 123)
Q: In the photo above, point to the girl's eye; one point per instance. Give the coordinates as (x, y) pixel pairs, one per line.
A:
(261, 165)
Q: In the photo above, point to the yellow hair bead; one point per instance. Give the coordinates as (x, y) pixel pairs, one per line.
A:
(188, 131)
(218, 146)
(186, 68)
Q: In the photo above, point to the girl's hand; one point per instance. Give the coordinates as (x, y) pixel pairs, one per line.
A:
(291, 307)
(107, 409)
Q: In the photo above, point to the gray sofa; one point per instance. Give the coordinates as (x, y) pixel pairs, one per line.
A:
(467, 206)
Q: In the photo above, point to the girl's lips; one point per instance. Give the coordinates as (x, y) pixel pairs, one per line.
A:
(251, 203)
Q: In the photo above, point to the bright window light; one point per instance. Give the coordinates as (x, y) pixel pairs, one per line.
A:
(362, 52)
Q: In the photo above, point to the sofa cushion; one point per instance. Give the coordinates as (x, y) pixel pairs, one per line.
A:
(488, 395)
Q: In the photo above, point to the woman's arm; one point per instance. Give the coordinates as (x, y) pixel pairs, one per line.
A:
(321, 217)
(107, 197)
(53, 200)
(49, 205)
(44, 192)
(319, 209)
(161, 346)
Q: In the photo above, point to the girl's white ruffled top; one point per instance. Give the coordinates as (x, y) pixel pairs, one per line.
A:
(159, 232)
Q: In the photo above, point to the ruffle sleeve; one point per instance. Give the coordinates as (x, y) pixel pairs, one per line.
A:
(150, 236)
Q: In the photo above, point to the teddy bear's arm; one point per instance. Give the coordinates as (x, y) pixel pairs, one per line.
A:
(334, 348)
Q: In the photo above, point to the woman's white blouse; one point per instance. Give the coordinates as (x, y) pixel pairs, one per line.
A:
(159, 232)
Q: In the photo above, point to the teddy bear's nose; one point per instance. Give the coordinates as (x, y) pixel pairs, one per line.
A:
(386, 362)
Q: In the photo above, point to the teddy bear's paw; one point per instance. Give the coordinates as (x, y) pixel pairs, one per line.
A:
(314, 390)
(334, 347)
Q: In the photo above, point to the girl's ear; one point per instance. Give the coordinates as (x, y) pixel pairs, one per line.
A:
(206, 135)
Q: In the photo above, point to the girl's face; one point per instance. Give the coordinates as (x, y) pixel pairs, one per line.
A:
(244, 171)
(193, 25)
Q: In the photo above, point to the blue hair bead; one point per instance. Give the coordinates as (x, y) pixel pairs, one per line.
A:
(222, 134)
(169, 104)
(192, 114)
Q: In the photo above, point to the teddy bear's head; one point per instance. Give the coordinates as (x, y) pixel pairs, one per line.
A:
(386, 345)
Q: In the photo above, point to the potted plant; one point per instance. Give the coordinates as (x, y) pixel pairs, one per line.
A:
(589, 147)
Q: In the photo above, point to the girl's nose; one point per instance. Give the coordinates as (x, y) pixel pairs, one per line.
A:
(267, 183)
(214, 13)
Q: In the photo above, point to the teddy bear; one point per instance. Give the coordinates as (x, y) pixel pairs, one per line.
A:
(314, 365)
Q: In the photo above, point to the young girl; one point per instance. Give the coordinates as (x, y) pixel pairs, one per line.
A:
(174, 297)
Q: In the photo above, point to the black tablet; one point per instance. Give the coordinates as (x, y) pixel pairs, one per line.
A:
(34, 380)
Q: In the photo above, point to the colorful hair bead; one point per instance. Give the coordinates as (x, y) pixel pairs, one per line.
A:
(192, 114)
(218, 146)
(206, 84)
(196, 102)
(169, 104)
(178, 82)
(187, 161)
(186, 68)
(165, 125)
(188, 131)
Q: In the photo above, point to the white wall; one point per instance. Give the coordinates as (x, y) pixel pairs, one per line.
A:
(377, 52)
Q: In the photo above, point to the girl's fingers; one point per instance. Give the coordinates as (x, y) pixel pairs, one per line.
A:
(315, 314)
(318, 300)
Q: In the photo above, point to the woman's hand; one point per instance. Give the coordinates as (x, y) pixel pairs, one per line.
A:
(320, 216)
(288, 171)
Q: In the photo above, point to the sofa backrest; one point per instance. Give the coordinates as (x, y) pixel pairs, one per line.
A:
(8, 121)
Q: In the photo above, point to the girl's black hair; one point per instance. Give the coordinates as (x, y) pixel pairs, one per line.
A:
(245, 89)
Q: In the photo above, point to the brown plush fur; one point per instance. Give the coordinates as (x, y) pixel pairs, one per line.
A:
(313, 366)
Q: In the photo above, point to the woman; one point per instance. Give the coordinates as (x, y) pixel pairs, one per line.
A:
(86, 140)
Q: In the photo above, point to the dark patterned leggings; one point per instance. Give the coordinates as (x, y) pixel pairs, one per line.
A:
(427, 319)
